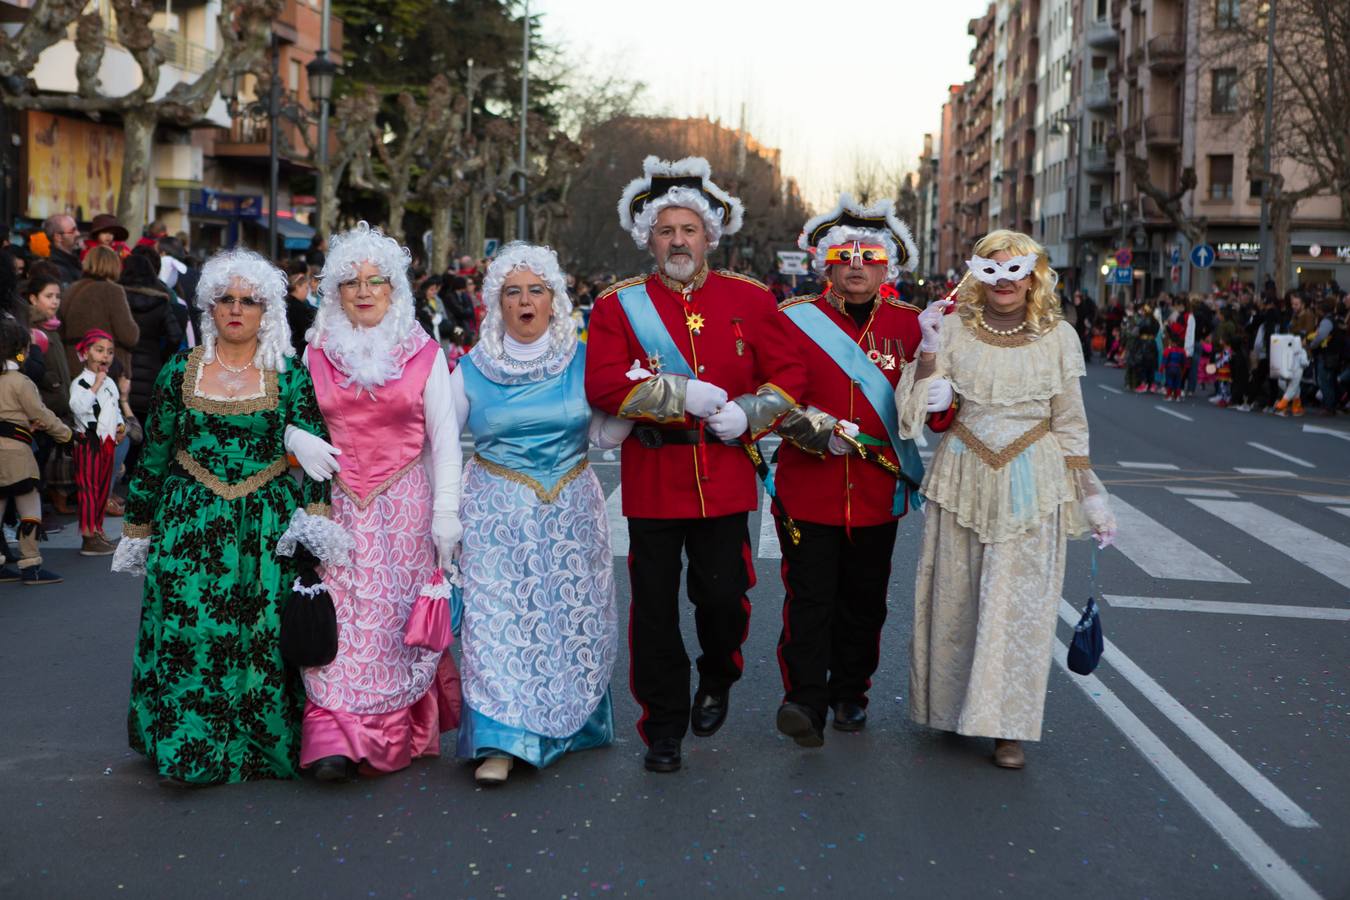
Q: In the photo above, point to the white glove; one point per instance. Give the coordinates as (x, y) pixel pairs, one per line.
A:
(930, 323)
(839, 446)
(940, 395)
(728, 423)
(1100, 519)
(703, 398)
(316, 456)
(130, 555)
(1104, 538)
(446, 531)
(637, 373)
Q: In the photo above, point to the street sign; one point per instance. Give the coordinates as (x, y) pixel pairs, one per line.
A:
(1176, 274)
(1125, 258)
(1121, 275)
(792, 262)
(1202, 257)
(490, 246)
(1176, 255)
(1315, 250)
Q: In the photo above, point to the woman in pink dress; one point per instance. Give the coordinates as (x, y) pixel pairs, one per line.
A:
(383, 386)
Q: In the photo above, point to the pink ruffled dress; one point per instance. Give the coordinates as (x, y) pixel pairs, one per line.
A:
(380, 702)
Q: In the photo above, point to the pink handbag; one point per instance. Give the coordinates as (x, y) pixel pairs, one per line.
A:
(429, 622)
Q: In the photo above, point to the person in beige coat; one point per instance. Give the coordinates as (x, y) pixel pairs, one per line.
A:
(97, 301)
(21, 413)
(1008, 485)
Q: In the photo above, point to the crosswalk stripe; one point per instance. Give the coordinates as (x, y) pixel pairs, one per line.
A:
(1202, 492)
(1343, 510)
(769, 547)
(1282, 455)
(1319, 553)
(1324, 498)
(1172, 412)
(1269, 473)
(1225, 607)
(618, 525)
(1333, 432)
(1163, 553)
(1161, 467)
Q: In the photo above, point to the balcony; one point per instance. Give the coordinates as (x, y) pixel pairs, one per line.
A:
(183, 54)
(1166, 52)
(1098, 96)
(1102, 35)
(1099, 161)
(1162, 130)
(1092, 222)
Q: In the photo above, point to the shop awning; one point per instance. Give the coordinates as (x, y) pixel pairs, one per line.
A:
(294, 235)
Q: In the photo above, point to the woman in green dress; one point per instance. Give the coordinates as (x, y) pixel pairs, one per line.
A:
(211, 699)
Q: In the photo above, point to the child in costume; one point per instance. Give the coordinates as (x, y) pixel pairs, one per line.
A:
(1174, 367)
(96, 406)
(21, 411)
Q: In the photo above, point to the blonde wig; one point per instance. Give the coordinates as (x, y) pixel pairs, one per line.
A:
(1042, 302)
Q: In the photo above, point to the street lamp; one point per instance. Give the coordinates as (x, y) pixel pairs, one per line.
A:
(322, 71)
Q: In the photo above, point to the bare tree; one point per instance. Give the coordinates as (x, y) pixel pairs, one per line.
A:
(243, 26)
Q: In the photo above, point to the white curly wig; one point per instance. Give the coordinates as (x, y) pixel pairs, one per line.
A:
(542, 261)
(367, 355)
(718, 222)
(886, 235)
(268, 283)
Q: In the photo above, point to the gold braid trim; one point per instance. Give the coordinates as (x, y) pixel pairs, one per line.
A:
(132, 530)
(1021, 339)
(271, 391)
(320, 509)
(223, 489)
(363, 502)
(545, 496)
(999, 459)
(1077, 462)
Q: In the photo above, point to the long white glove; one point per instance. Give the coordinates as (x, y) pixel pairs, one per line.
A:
(316, 456)
(839, 446)
(636, 372)
(130, 555)
(703, 398)
(940, 395)
(446, 531)
(930, 324)
(728, 423)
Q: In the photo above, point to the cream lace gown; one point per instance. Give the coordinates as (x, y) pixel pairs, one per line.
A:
(1004, 487)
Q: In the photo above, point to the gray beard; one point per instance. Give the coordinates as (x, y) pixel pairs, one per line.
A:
(681, 268)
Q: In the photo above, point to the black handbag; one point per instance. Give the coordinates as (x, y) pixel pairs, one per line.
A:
(309, 631)
(1085, 651)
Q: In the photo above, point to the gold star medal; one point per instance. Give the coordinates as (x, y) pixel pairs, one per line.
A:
(654, 363)
(694, 321)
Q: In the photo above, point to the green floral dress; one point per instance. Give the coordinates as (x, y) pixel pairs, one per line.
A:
(211, 699)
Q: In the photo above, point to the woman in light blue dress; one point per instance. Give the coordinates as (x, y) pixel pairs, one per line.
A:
(540, 632)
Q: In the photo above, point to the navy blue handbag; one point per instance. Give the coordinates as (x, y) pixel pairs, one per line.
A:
(1085, 651)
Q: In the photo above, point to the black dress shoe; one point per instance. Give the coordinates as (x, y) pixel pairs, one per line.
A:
(849, 716)
(334, 769)
(663, 755)
(803, 724)
(708, 713)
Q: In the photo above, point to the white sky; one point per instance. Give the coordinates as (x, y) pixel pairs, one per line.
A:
(828, 82)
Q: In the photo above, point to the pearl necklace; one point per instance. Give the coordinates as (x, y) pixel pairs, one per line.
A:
(232, 379)
(1001, 332)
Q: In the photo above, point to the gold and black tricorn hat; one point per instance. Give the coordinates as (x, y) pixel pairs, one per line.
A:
(878, 221)
(660, 177)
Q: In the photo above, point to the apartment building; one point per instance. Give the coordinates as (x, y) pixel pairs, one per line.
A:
(950, 185)
(1051, 223)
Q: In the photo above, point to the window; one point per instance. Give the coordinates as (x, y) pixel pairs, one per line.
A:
(1226, 13)
(1094, 197)
(295, 75)
(1223, 91)
(1101, 10)
(1221, 177)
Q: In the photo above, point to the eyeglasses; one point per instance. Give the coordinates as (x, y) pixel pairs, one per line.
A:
(373, 283)
(245, 302)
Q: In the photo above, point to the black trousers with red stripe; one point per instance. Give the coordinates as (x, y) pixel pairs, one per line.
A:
(833, 611)
(720, 574)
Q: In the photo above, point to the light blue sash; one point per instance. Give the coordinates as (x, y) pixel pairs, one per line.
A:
(651, 332)
(876, 389)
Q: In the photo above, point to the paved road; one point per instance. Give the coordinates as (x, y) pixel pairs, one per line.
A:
(1207, 760)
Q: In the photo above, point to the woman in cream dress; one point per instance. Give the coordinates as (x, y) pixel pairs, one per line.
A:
(1009, 484)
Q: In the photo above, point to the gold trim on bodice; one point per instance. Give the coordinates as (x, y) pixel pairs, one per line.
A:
(681, 287)
(223, 489)
(363, 502)
(1020, 339)
(544, 495)
(269, 399)
(997, 459)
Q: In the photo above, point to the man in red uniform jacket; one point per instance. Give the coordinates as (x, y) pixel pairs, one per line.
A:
(843, 471)
(701, 360)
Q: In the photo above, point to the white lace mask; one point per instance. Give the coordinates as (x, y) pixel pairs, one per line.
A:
(991, 272)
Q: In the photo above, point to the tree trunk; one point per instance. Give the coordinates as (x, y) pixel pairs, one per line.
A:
(133, 200)
(330, 204)
(1281, 222)
(477, 228)
(394, 227)
(440, 232)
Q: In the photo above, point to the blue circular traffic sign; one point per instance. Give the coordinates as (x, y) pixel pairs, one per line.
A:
(1202, 256)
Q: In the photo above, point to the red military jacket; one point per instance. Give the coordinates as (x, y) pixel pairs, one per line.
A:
(742, 344)
(845, 490)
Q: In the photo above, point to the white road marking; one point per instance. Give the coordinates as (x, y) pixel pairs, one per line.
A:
(1161, 467)
(1163, 553)
(1334, 432)
(1172, 412)
(1343, 510)
(1319, 553)
(1258, 856)
(1282, 455)
(1324, 498)
(618, 525)
(1202, 492)
(768, 534)
(1269, 473)
(1228, 759)
(1223, 607)
(1110, 389)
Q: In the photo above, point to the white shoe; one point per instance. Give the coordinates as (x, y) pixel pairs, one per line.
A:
(494, 770)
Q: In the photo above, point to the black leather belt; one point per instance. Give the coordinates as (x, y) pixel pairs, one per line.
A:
(651, 437)
(17, 432)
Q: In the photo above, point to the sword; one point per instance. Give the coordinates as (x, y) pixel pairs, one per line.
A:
(875, 457)
(766, 477)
